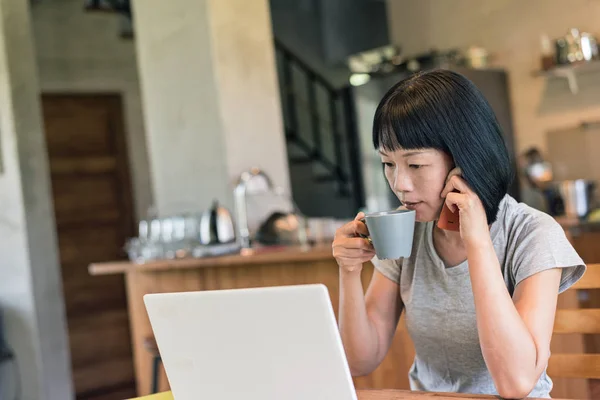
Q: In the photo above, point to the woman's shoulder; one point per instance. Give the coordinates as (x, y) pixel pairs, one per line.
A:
(535, 242)
(517, 218)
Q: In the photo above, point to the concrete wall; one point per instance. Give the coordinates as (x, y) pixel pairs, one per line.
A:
(249, 102)
(210, 96)
(511, 30)
(81, 52)
(181, 105)
(30, 283)
(75, 52)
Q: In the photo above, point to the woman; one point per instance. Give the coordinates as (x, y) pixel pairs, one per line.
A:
(480, 302)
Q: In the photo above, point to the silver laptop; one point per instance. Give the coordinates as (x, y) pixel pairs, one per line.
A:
(252, 344)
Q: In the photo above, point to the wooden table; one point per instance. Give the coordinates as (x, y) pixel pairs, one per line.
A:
(380, 395)
(408, 395)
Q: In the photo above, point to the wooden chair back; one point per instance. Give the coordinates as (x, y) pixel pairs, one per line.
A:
(578, 321)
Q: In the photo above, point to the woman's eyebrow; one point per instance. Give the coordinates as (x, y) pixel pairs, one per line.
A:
(413, 153)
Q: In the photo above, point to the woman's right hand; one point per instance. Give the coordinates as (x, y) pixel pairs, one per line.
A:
(349, 249)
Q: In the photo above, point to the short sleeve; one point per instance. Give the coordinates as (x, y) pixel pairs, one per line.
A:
(388, 268)
(543, 245)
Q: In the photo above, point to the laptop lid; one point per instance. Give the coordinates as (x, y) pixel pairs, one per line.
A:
(253, 344)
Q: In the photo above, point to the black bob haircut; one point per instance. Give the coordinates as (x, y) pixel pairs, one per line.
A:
(443, 110)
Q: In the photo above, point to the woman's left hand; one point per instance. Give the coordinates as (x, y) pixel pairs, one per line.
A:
(473, 220)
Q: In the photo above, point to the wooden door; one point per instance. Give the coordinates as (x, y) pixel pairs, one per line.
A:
(93, 210)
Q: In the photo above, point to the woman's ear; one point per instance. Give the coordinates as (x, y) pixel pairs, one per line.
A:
(455, 171)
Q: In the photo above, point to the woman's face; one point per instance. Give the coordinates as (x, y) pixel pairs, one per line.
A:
(417, 177)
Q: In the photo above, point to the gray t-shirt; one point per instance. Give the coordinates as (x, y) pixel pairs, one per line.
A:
(438, 301)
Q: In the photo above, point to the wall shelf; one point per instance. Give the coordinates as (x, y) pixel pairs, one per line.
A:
(570, 72)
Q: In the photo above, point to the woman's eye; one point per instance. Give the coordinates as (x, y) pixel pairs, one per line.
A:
(414, 166)
(388, 164)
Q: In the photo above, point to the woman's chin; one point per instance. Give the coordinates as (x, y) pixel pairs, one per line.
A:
(424, 212)
(425, 217)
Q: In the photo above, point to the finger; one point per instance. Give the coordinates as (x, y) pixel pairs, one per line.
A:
(456, 183)
(353, 229)
(349, 254)
(456, 201)
(447, 186)
(360, 257)
(351, 263)
(361, 228)
(359, 216)
(353, 243)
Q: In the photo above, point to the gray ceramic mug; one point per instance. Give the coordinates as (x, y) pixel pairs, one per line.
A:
(391, 233)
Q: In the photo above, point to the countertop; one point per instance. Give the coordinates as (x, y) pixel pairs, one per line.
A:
(269, 255)
(575, 225)
(377, 395)
(258, 256)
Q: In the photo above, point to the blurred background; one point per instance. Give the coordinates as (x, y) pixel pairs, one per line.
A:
(135, 133)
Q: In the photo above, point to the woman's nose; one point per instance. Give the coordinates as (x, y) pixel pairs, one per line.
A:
(402, 182)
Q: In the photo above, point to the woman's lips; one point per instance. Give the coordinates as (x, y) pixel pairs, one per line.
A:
(411, 205)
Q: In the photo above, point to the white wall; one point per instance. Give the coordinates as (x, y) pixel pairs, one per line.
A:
(511, 30)
(80, 51)
(30, 283)
(210, 96)
(244, 61)
(180, 99)
(76, 52)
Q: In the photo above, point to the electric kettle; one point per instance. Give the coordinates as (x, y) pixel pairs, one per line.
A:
(216, 226)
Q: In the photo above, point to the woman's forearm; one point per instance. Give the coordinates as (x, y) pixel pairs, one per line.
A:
(506, 343)
(357, 331)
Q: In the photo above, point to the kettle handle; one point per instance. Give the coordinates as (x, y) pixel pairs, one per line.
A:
(214, 233)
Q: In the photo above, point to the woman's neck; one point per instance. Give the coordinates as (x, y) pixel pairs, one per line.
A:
(449, 246)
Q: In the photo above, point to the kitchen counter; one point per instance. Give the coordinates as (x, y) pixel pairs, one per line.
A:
(576, 226)
(269, 266)
(259, 256)
(275, 254)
